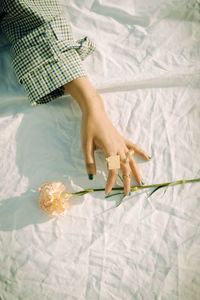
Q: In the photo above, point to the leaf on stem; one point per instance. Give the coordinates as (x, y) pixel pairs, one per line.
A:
(113, 195)
(165, 191)
(167, 187)
(120, 201)
(157, 188)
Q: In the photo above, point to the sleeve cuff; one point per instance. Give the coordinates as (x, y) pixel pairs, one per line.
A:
(47, 58)
(46, 82)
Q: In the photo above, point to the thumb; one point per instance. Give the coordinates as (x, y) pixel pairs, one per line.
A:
(88, 152)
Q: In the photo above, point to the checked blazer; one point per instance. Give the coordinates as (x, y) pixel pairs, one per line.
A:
(44, 54)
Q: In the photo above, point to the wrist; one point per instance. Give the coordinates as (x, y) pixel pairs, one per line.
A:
(92, 105)
(85, 95)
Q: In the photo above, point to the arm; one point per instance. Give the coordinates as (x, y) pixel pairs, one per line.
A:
(97, 132)
(44, 53)
(47, 61)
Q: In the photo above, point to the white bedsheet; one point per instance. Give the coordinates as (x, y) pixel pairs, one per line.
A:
(146, 68)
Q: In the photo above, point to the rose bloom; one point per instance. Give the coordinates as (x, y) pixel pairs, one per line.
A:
(52, 198)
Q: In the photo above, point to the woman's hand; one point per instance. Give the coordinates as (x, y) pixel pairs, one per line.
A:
(97, 132)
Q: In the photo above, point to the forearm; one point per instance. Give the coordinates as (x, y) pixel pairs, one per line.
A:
(85, 94)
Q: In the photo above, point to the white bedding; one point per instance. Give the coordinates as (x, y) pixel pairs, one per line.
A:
(146, 68)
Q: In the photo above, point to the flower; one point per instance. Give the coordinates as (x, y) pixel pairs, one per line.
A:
(52, 198)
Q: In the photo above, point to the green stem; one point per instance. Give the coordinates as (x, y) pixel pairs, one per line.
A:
(169, 183)
(139, 187)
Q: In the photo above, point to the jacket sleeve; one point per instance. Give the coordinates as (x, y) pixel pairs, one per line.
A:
(43, 51)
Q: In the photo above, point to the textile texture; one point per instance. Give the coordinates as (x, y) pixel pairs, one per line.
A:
(44, 54)
(146, 68)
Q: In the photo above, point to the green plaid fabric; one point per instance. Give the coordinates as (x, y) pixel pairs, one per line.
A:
(44, 54)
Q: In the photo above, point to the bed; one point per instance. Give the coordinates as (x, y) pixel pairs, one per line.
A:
(146, 67)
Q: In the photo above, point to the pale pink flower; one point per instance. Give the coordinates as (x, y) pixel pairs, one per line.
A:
(52, 198)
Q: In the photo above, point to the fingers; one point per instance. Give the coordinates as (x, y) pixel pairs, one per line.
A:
(112, 175)
(137, 150)
(126, 171)
(88, 151)
(135, 170)
(126, 168)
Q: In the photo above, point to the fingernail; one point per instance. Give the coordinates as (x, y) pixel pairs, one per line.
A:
(142, 182)
(90, 176)
(108, 193)
(149, 157)
(129, 193)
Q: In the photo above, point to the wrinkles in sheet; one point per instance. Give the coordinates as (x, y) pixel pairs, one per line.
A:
(146, 68)
(133, 251)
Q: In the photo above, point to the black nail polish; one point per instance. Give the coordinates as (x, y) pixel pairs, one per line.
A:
(90, 176)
